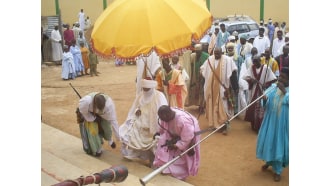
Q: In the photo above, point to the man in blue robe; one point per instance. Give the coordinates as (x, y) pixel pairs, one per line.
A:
(77, 58)
(273, 137)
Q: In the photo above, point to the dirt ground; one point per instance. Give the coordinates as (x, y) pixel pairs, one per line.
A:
(225, 160)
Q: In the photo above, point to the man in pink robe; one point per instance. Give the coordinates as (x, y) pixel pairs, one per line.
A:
(180, 125)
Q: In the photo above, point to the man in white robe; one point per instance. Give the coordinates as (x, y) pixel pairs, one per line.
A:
(68, 68)
(277, 44)
(286, 43)
(76, 30)
(99, 111)
(88, 23)
(218, 107)
(261, 42)
(136, 134)
(244, 47)
(57, 50)
(259, 78)
(265, 78)
(81, 18)
(213, 40)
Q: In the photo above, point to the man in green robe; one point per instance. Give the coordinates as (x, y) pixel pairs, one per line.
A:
(195, 89)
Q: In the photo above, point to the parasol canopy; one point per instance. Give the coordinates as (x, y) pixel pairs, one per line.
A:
(131, 28)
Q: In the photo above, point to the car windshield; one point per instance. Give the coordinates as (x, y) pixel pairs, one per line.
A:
(253, 27)
(232, 28)
(242, 28)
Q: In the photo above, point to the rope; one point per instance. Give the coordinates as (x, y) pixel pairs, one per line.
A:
(94, 178)
(114, 175)
(83, 179)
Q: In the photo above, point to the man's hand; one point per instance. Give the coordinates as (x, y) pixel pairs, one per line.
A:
(165, 82)
(156, 134)
(201, 109)
(172, 147)
(80, 117)
(98, 119)
(254, 81)
(281, 86)
(138, 112)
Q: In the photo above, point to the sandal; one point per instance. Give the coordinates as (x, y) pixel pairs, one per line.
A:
(264, 167)
(277, 177)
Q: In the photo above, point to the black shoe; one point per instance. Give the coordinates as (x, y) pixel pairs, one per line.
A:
(113, 145)
(98, 154)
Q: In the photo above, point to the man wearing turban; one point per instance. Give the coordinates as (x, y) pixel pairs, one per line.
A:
(136, 133)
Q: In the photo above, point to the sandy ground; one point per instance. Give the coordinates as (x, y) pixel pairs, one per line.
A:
(225, 160)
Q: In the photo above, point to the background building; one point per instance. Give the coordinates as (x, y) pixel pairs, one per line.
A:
(278, 10)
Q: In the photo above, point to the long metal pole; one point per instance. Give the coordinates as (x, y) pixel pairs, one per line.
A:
(148, 177)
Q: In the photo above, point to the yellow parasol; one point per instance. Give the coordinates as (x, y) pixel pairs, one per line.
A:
(130, 28)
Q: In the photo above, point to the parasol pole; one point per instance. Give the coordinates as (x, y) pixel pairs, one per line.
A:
(163, 78)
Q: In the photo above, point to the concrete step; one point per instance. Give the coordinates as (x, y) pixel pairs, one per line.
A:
(47, 179)
(55, 170)
(63, 158)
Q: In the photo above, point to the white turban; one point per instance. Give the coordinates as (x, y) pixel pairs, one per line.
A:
(287, 34)
(198, 47)
(145, 83)
(230, 44)
(231, 38)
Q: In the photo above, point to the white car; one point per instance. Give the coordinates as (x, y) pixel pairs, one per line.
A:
(242, 24)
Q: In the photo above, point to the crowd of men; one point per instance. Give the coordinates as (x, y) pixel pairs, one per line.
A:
(72, 51)
(234, 76)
